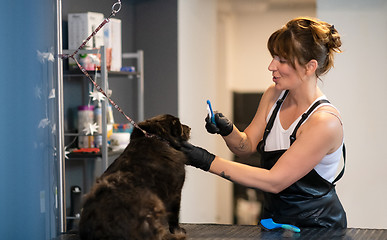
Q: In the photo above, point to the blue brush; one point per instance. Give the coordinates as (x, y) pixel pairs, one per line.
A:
(270, 224)
(210, 112)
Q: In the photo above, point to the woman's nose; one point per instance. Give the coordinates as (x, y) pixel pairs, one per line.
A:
(272, 66)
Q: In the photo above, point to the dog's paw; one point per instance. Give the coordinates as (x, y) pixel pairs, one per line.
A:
(178, 233)
(179, 229)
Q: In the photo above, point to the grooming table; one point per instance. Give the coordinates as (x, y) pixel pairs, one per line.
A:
(237, 232)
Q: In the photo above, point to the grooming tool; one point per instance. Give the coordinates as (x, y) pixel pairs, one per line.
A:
(210, 112)
(270, 224)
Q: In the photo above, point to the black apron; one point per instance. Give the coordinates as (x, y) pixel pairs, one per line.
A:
(311, 201)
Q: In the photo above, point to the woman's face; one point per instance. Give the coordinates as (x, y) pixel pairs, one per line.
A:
(284, 75)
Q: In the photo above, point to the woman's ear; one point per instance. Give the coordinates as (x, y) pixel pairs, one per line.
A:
(311, 67)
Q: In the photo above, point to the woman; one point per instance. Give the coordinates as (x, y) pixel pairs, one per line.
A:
(297, 131)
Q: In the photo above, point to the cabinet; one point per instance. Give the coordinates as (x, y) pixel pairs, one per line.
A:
(84, 167)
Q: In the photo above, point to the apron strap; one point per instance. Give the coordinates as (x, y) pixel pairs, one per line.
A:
(342, 170)
(303, 118)
(270, 123)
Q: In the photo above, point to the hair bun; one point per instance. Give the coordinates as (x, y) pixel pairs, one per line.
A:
(334, 42)
(332, 29)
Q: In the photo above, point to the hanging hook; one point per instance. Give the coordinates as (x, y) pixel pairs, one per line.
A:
(116, 7)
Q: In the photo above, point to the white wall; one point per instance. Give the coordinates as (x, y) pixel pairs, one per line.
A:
(250, 24)
(206, 198)
(358, 86)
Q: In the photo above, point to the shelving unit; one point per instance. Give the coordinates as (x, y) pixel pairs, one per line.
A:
(102, 79)
(104, 85)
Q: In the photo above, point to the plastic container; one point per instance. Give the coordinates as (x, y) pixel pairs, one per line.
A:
(117, 128)
(121, 136)
(119, 140)
(110, 121)
(85, 118)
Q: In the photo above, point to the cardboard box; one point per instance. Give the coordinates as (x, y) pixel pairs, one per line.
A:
(81, 25)
(113, 44)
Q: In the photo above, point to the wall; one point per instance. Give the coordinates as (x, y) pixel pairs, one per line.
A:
(156, 33)
(206, 198)
(357, 85)
(28, 123)
(250, 24)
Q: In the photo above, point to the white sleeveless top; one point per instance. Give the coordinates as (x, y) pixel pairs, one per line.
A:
(279, 139)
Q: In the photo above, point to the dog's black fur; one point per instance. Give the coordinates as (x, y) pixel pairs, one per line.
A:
(138, 196)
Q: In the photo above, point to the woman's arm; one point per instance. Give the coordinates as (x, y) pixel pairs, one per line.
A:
(319, 136)
(245, 143)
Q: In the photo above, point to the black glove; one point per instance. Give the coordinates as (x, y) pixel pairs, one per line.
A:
(197, 157)
(223, 125)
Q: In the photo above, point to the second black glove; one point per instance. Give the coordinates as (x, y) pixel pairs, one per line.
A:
(197, 156)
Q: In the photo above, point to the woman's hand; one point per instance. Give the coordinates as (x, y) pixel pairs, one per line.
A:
(197, 156)
(223, 126)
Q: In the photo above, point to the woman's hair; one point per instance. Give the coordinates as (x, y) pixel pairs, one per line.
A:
(303, 39)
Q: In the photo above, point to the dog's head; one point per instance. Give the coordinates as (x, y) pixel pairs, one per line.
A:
(166, 127)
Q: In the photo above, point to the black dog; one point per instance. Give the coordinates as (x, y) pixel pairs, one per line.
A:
(138, 196)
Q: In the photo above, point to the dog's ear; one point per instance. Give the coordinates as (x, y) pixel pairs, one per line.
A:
(176, 128)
